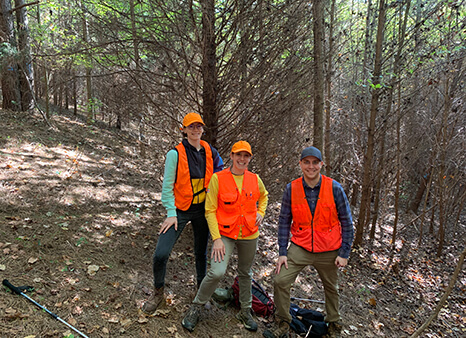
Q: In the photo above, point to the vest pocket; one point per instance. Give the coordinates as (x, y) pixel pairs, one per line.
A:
(225, 228)
(327, 241)
(228, 201)
(323, 221)
(300, 213)
(250, 203)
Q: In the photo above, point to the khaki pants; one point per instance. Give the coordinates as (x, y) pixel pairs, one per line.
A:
(298, 259)
(246, 252)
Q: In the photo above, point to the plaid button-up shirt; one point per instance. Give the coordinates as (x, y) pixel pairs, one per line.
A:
(312, 195)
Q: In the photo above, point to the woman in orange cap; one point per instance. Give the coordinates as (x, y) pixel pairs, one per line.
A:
(188, 170)
(235, 207)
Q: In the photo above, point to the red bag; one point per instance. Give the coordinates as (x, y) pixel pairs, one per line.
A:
(262, 303)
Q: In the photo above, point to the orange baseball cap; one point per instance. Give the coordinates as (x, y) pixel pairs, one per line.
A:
(191, 118)
(241, 146)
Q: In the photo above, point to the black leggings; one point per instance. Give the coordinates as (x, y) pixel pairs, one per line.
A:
(166, 241)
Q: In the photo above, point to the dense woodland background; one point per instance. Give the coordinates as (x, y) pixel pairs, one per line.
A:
(377, 85)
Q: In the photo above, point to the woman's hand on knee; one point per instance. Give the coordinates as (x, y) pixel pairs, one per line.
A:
(168, 223)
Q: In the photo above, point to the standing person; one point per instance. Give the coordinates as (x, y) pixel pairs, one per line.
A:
(316, 212)
(235, 207)
(188, 170)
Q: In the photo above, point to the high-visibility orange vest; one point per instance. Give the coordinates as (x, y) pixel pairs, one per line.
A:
(237, 210)
(322, 232)
(183, 188)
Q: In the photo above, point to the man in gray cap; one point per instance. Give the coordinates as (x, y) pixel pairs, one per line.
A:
(316, 213)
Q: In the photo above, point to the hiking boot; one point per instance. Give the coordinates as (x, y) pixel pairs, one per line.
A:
(245, 317)
(279, 331)
(334, 330)
(154, 301)
(192, 317)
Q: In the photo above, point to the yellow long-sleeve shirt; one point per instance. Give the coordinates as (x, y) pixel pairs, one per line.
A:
(211, 204)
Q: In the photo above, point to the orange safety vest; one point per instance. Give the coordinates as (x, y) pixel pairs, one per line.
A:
(237, 210)
(183, 188)
(322, 232)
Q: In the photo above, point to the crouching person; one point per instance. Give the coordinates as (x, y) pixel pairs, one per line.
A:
(235, 206)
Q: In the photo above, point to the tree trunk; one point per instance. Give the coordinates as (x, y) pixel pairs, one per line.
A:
(441, 169)
(26, 73)
(453, 78)
(140, 113)
(378, 185)
(396, 71)
(10, 78)
(317, 12)
(209, 72)
(368, 156)
(328, 81)
(367, 43)
(426, 198)
(90, 103)
(46, 93)
(416, 202)
(74, 88)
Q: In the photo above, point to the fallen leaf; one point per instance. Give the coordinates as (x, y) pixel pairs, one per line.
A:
(2, 267)
(142, 319)
(162, 313)
(113, 319)
(125, 322)
(172, 329)
(72, 281)
(92, 269)
(32, 260)
(77, 310)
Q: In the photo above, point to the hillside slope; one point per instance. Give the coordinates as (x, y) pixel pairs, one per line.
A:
(79, 214)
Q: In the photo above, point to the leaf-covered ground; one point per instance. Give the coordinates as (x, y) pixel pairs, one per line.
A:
(79, 213)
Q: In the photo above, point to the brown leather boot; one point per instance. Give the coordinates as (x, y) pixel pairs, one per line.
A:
(154, 301)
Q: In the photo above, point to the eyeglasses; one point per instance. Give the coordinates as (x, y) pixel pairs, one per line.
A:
(195, 126)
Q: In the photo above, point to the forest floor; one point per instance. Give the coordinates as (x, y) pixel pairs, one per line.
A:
(79, 214)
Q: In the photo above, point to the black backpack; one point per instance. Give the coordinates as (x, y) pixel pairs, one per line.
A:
(262, 303)
(307, 322)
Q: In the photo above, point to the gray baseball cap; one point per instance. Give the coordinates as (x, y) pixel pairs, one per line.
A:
(311, 151)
